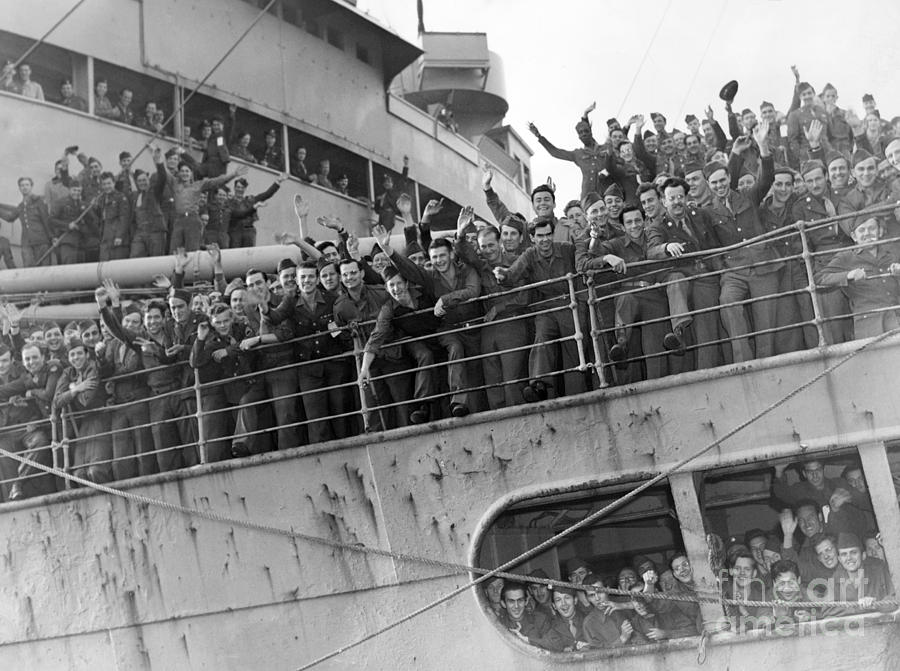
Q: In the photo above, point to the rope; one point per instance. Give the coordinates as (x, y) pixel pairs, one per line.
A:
(174, 113)
(640, 66)
(43, 37)
(500, 571)
(590, 519)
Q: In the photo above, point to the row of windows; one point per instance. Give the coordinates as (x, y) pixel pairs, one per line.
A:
(52, 66)
(773, 533)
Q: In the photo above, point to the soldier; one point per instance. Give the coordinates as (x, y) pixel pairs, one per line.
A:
(34, 217)
(798, 121)
(148, 237)
(816, 205)
(114, 216)
(130, 421)
(683, 231)
(869, 190)
(632, 306)
(76, 229)
(29, 395)
(241, 229)
(217, 356)
(80, 391)
(271, 156)
(868, 274)
(736, 219)
(590, 159)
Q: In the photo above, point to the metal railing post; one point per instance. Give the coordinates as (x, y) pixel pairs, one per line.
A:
(357, 360)
(595, 331)
(811, 285)
(64, 443)
(201, 430)
(579, 334)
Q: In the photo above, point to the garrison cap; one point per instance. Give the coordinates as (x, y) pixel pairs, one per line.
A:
(180, 294)
(809, 166)
(712, 167)
(614, 190)
(285, 264)
(691, 167)
(846, 540)
(861, 155)
(690, 118)
(833, 156)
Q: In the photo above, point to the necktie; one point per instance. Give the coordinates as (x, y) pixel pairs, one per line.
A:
(573, 628)
(829, 207)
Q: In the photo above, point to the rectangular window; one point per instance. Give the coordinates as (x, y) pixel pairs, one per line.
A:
(334, 37)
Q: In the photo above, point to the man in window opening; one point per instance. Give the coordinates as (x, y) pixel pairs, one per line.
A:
(68, 98)
(675, 619)
(745, 584)
(271, 157)
(533, 628)
(244, 212)
(859, 577)
(568, 619)
(147, 120)
(103, 107)
(214, 162)
(606, 627)
(539, 593)
(386, 202)
(27, 87)
(298, 166)
(816, 557)
(765, 549)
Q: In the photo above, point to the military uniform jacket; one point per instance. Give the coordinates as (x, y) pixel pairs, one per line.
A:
(773, 218)
(811, 208)
(115, 217)
(698, 234)
(32, 213)
(590, 160)
(856, 199)
(42, 386)
(243, 214)
(538, 628)
(88, 233)
(235, 362)
(312, 327)
(146, 206)
(742, 221)
(90, 399)
(867, 294)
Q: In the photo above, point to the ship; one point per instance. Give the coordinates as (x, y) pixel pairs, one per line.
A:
(365, 553)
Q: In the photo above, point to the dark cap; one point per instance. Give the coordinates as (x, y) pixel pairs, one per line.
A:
(690, 118)
(180, 294)
(656, 115)
(640, 563)
(833, 156)
(766, 103)
(589, 199)
(809, 166)
(241, 180)
(132, 308)
(868, 98)
(515, 221)
(846, 540)
(712, 167)
(692, 166)
(574, 564)
(614, 190)
(861, 155)
(729, 91)
(413, 248)
(286, 264)
(746, 111)
(218, 309)
(613, 121)
(205, 123)
(648, 134)
(271, 133)
(784, 170)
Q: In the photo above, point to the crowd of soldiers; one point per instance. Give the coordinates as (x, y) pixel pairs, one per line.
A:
(443, 325)
(825, 560)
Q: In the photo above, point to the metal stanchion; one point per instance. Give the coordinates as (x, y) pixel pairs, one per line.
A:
(579, 335)
(811, 287)
(201, 431)
(595, 332)
(357, 360)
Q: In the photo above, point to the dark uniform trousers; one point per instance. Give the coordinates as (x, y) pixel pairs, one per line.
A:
(696, 294)
(422, 353)
(395, 388)
(187, 232)
(170, 428)
(132, 437)
(738, 285)
(280, 386)
(314, 376)
(504, 366)
(146, 243)
(544, 358)
(90, 451)
(33, 442)
(794, 308)
(646, 305)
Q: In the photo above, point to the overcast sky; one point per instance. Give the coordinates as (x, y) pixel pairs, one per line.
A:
(559, 56)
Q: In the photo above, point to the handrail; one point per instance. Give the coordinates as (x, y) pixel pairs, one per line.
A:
(600, 286)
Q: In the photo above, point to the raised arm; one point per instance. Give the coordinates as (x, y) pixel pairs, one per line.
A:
(555, 152)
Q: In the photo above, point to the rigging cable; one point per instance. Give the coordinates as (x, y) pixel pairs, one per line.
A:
(640, 67)
(712, 35)
(487, 574)
(593, 517)
(43, 37)
(172, 116)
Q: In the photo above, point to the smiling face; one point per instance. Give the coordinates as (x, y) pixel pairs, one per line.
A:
(787, 586)
(440, 258)
(542, 202)
(633, 221)
(514, 601)
(809, 520)
(564, 604)
(584, 132)
(542, 239)
(510, 238)
(827, 553)
(398, 288)
(866, 172)
(675, 200)
(719, 183)
(32, 359)
(77, 357)
(743, 572)
(681, 569)
(815, 182)
(851, 558)
(329, 277)
(867, 231)
(650, 203)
